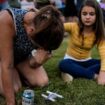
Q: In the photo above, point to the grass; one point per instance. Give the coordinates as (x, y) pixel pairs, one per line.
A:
(79, 92)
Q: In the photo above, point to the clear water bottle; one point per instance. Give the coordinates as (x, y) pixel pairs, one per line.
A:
(28, 97)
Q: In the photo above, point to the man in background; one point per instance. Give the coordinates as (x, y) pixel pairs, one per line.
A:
(41, 3)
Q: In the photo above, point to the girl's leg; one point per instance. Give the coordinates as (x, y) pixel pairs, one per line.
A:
(93, 65)
(76, 69)
(94, 68)
(16, 81)
(34, 77)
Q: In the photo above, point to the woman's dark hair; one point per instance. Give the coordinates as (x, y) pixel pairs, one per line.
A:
(49, 28)
(99, 24)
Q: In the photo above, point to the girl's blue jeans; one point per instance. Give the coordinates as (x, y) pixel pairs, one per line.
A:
(84, 69)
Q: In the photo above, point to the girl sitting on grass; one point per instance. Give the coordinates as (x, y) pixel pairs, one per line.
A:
(85, 34)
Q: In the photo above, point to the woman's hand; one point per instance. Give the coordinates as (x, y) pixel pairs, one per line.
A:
(39, 57)
(101, 78)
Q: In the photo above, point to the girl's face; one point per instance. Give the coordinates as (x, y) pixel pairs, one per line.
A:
(88, 16)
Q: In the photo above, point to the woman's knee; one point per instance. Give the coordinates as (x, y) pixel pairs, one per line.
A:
(41, 82)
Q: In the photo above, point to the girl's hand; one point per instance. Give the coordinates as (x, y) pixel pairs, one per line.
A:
(39, 57)
(101, 78)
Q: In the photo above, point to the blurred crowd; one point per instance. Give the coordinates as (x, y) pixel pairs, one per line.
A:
(69, 8)
(63, 5)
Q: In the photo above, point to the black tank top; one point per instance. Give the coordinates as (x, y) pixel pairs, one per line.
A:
(22, 44)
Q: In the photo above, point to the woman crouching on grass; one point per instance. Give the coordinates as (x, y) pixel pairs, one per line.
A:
(21, 32)
(86, 34)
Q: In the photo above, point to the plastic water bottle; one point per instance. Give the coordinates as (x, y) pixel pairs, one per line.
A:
(28, 97)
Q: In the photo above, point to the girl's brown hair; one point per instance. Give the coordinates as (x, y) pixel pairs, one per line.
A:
(49, 28)
(99, 24)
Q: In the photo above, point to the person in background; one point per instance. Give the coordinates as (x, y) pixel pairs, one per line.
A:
(59, 4)
(41, 3)
(78, 4)
(70, 11)
(14, 3)
(25, 4)
(4, 4)
(84, 35)
(102, 5)
(25, 45)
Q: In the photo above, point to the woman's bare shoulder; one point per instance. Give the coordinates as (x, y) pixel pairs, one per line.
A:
(5, 17)
(6, 21)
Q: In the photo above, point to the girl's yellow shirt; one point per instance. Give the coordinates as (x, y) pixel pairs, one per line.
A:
(82, 50)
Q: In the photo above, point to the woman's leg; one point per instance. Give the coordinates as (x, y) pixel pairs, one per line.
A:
(76, 69)
(34, 76)
(16, 81)
(1, 87)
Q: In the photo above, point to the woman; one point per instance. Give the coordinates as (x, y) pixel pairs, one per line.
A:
(86, 34)
(22, 32)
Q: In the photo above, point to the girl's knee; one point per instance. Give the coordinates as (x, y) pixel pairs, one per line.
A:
(61, 64)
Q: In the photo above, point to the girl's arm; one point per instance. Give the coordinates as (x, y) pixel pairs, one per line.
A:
(101, 77)
(70, 27)
(7, 32)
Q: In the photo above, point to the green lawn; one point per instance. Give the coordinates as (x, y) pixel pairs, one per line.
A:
(79, 92)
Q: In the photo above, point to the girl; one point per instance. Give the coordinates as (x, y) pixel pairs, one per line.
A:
(84, 36)
(26, 31)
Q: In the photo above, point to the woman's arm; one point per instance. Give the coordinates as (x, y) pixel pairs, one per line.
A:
(39, 57)
(7, 32)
